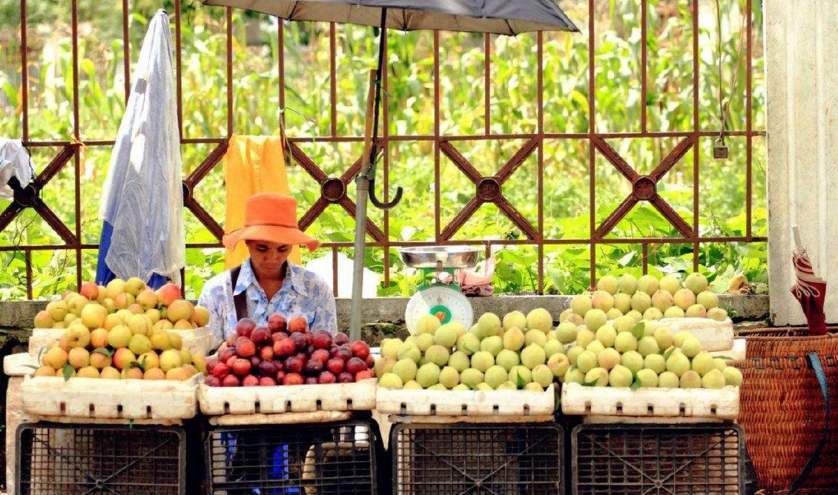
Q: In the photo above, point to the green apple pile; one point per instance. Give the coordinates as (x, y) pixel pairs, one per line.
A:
(646, 298)
(643, 354)
(516, 352)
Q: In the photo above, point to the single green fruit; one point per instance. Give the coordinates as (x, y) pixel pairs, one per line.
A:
(627, 284)
(647, 284)
(690, 379)
(595, 318)
(446, 336)
(552, 347)
(520, 376)
(573, 375)
(540, 319)
(424, 341)
(437, 354)
(459, 361)
(597, 377)
(622, 303)
(647, 378)
(586, 361)
(652, 314)
(641, 301)
(707, 299)
(620, 376)
(558, 364)
(492, 345)
(412, 385)
(719, 363)
(608, 284)
(428, 375)
(495, 375)
(662, 300)
(507, 385)
(648, 345)
(608, 358)
(674, 312)
(581, 304)
(390, 348)
(691, 347)
(513, 339)
(542, 375)
(613, 313)
(732, 376)
(670, 283)
(405, 369)
(468, 344)
(713, 379)
(696, 282)
(449, 377)
(535, 336)
(507, 359)
(664, 338)
(696, 311)
(625, 342)
(718, 314)
(471, 377)
(574, 353)
(655, 362)
(515, 319)
(489, 324)
(533, 387)
(584, 337)
(532, 356)
(602, 300)
(624, 324)
(668, 379)
(606, 335)
(678, 363)
(482, 361)
(410, 351)
(633, 361)
(565, 333)
(596, 347)
(702, 363)
(390, 380)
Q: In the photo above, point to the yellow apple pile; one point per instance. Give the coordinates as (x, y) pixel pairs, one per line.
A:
(164, 307)
(121, 331)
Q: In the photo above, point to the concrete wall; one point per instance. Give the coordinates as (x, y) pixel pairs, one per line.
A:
(801, 46)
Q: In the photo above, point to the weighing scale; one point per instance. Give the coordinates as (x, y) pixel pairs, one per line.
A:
(441, 297)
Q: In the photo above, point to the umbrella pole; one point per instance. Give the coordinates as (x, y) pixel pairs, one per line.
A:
(362, 182)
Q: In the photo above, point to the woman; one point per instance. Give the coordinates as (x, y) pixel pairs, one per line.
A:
(267, 282)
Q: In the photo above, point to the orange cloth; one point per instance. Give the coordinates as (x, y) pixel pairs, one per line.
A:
(252, 164)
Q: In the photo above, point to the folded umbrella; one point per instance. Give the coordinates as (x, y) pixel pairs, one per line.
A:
(810, 290)
(142, 206)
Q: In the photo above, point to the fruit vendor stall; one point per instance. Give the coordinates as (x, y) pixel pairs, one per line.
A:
(517, 317)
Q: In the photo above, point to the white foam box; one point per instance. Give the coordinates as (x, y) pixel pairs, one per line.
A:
(723, 403)
(399, 402)
(117, 399)
(338, 397)
(20, 364)
(714, 335)
(198, 340)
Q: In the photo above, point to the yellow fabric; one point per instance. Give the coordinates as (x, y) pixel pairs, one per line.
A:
(252, 164)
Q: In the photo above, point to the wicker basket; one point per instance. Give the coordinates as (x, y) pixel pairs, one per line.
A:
(783, 411)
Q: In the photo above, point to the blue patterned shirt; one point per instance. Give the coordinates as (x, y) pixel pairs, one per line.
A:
(303, 293)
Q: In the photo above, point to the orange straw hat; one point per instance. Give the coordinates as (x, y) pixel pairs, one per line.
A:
(270, 217)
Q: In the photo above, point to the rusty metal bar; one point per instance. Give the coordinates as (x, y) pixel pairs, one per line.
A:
(42, 208)
(24, 73)
(126, 51)
(645, 258)
(487, 84)
(385, 147)
(612, 156)
(206, 166)
(27, 257)
(333, 92)
(229, 55)
(592, 136)
(749, 121)
(517, 160)
(540, 171)
(178, 71)
(437, 221)
(460, 161)
(334, 271)
(461, 218)
(643, 65)
(697, 149)
(280, 34)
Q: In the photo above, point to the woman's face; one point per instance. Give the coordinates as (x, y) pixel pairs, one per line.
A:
(268, 257)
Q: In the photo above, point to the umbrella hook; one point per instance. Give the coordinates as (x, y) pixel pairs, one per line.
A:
(381, 205)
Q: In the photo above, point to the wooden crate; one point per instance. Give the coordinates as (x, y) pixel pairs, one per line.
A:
(110, 399)
(466, 402)
(340, 397)
(651, 402)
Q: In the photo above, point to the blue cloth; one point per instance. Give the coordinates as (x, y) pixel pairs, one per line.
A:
(104, 274)
(303, 293)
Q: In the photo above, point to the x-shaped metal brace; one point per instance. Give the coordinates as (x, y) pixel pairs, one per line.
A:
(191, 182)
(489, 189)
(644, 187)
(30, 197)
(333, 190)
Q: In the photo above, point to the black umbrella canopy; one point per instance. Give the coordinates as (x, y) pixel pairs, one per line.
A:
(508, 17)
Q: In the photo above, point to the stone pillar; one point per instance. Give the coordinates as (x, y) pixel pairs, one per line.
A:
(801, 49)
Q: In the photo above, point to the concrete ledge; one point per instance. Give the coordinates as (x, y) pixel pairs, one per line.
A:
(17, 315)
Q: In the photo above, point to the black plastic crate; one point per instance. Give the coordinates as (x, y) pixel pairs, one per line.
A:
(497, 458)
(653, 459)
(297, 459)
(100, 459)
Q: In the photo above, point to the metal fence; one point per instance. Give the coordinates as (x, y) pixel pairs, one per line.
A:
(487, 189)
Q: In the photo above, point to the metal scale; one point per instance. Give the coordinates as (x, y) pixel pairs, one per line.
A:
(441, 297)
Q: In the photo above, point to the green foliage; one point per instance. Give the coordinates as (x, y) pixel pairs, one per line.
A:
(410, 104)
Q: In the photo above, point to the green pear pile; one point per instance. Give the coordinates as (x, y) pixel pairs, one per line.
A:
(636, 354)
(646, 298)
(516, 352)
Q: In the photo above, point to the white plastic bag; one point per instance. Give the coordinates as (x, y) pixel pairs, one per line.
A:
(143, 199)
(14, 162)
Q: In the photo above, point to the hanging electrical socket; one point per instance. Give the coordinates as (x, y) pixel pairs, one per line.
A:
(720, 149)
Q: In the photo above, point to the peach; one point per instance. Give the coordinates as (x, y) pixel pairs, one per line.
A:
(167, 294)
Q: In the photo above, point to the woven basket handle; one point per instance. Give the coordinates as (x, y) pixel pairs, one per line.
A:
(815, 362)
